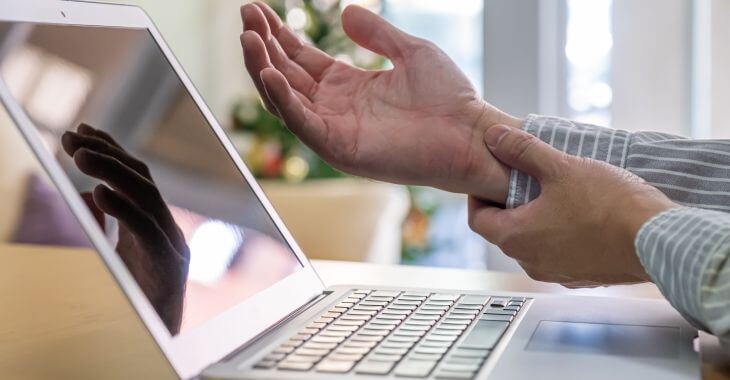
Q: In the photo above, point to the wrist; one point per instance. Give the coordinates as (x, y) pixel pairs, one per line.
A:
(495, 183)
(640, 210)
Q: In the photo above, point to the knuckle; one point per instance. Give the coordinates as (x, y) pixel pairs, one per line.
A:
(521, 145)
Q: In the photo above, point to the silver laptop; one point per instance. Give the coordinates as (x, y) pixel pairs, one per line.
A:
(212, 270)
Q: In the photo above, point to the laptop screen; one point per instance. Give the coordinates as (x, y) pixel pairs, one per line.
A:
(121, 124)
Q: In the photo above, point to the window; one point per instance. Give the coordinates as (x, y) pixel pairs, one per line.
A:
(52, 89)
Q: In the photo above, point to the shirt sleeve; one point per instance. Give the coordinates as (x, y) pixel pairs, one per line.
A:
(686, 251)
(693, 173)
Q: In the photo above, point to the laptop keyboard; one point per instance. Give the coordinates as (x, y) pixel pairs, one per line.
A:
(405, 334)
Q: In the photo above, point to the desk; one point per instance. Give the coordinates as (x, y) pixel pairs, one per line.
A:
(62, 316)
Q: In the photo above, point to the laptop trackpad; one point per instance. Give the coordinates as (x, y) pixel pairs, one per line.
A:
(605, 339)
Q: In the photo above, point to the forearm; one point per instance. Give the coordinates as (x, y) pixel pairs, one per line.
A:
(690, 172)
(686, 252)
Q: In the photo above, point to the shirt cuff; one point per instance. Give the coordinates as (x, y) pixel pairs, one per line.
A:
(676, 247)
(578, 139)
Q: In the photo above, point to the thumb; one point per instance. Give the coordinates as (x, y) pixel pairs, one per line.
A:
(372, 32)
(523, 151)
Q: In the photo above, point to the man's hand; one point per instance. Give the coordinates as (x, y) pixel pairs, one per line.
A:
(580, 230)
(150, 242)
(420, 123)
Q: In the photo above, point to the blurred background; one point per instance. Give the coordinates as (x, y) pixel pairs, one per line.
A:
(633, 64)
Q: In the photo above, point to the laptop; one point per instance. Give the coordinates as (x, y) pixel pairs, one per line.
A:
(211, 269)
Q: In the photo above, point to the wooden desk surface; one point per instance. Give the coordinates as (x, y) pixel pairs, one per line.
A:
(62, 315)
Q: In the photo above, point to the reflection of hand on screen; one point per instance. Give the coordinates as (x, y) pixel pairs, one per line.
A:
(150, 242)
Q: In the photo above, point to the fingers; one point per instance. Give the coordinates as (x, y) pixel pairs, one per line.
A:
(314, 61)
(372, 32)
(298, 118)
(254, 20)
(131, 184)
(523, 151)
(256, 59)
(72, 142)
(88, 130)
(490, 221)
(140, 224)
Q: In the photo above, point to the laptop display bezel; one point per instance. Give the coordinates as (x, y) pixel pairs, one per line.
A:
(192, 350)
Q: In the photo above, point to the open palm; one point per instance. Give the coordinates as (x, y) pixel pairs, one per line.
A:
(418, 123)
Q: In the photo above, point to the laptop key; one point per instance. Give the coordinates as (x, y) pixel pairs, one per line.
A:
(500, 312)
(435, 343)
(414, 368)
(444, 297)
(350, 317)
(392, 317)
(385, 293)
(459, 360)
(408, 296)
(337, 327)
(327, 339)
(369, 313)
(352, 350)
(324, 320)
(301, 337)
(316, 325)
(469, 353)
(303, 358)
(367, 307)
(394, 344)
(335, 366)
(461, 367)
(373, 367)
(345, 322)
(430, 350)
(485, 334)
(357, 343)
(390, 351)
(462, 306)
(401, 332)
(295, 366)
(293, 343)
(379, 299)
(403, 338)
(366, 338)
(373, 303)
(421, 317)
(320, 346)
(497, 317)
(384, 357)
(406, 302)
(435, 307)
(345, 357)
(418, 322)
(499, 302)
(439, 331)
(428, 357)
(450, 375)
(312, 352)
(409, 326)
(471, 299)
(338, 310)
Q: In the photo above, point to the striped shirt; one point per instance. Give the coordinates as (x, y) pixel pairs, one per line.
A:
(685, 250)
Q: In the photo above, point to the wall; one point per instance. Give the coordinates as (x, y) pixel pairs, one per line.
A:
(651, 65)
(720, 69)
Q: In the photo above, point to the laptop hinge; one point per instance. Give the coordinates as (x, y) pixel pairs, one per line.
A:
(280, 323)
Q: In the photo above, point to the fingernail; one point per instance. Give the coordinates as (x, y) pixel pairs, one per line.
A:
(495, 134)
